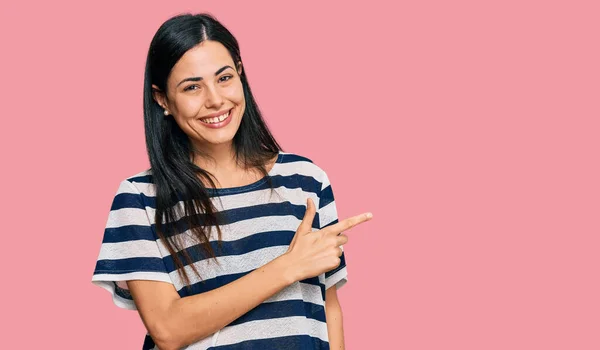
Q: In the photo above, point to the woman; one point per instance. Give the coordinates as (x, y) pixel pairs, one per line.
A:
(226, 242)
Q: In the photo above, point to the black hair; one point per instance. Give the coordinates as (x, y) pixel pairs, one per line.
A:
(176, 177)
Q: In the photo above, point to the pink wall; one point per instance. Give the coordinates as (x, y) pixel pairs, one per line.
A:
(469, 130)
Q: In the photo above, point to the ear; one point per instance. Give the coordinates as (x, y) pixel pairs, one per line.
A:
(159, 97)
(239, 67)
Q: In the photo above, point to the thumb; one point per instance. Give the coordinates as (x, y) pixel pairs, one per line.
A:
(309, 216)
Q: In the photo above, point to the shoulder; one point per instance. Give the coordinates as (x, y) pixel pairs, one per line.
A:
(138, 183)
(297, 164)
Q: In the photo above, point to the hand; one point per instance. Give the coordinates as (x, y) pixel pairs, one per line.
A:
(312, 253)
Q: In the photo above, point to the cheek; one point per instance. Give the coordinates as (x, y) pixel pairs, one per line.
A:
(188, 106)
(235, 93)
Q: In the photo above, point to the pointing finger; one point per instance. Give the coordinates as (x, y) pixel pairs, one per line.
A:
(348, 223)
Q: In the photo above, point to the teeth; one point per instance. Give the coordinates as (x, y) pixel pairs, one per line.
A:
(216, 119)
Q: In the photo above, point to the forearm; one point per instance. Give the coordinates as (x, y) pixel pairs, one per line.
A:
(195, 317)
(335, 327)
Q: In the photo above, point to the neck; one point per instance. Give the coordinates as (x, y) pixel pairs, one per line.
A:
(216, 158)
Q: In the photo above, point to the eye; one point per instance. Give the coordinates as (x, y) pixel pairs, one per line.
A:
(189, 88)
(225, 76)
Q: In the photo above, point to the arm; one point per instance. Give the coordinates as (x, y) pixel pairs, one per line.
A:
(333, 315)
(175, 322)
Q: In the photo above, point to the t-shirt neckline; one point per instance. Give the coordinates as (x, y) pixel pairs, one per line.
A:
(239, 189)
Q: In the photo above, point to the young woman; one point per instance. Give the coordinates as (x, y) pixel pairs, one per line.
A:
(226, 242)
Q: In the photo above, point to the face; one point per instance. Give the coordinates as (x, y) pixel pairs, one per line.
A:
(205, 95)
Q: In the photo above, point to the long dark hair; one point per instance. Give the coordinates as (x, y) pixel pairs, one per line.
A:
(176, 177)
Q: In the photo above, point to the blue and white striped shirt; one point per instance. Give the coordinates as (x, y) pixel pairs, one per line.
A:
(258, 227)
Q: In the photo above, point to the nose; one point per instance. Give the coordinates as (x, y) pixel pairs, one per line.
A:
(213, 98)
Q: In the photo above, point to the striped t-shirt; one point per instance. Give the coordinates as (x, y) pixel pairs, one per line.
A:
(258, 227)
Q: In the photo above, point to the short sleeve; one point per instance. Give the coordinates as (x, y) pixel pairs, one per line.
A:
(328, 216)
(129, 249)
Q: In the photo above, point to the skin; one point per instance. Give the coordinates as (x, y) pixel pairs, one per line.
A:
(171, 320)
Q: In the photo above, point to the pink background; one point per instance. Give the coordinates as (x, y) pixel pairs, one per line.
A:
(469, 129)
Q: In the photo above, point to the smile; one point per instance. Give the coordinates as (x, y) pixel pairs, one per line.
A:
(218, 121)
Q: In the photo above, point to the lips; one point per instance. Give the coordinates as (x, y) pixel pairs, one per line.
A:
(217, 120)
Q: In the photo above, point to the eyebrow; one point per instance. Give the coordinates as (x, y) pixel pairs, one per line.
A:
(200, 78)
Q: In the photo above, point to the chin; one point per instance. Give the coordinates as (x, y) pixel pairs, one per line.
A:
(220, 140)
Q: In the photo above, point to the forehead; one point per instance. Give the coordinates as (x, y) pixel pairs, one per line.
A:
(202, 60)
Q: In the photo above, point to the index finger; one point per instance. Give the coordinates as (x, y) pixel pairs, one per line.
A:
(348, 223)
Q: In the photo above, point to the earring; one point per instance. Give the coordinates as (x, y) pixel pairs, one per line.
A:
(166, 112)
